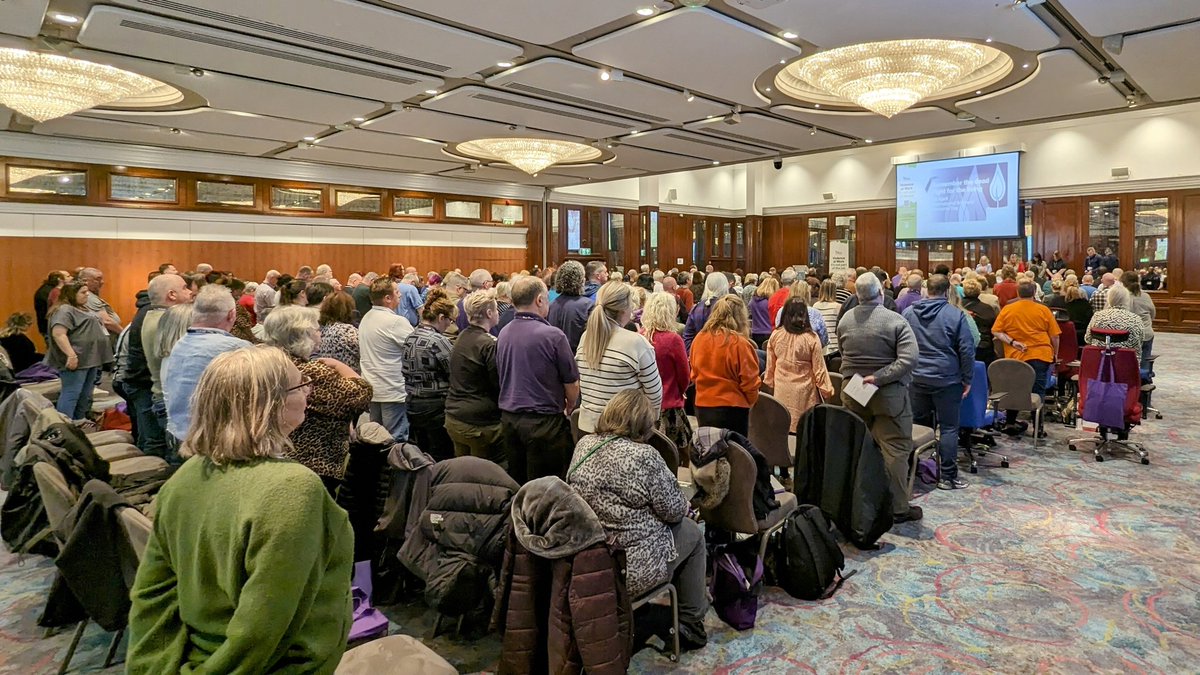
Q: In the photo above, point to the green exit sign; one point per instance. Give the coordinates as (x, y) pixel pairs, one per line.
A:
(585, 251)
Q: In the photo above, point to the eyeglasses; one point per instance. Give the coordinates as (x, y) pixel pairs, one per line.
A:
(303, 384)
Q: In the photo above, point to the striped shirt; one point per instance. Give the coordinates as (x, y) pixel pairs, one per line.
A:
(628, 363)
(829, 311)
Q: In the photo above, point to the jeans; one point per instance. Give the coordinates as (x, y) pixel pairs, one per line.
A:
(944, 403)
(888, 416)
(687, 572)
(393, 417)
(1039, 387)
(150, 432)
(75, 399)
(171, 444)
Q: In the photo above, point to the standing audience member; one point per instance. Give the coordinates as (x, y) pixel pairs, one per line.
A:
(696, 281)
(1088, 286)
(539, 382)
(427, 375)
(1079, 310)
(796, 369)
(165, 290)
(639, 504)
(1106, 283)
(878, 345)
(1143, 305)
(984, 316)
(362, 296)
(761, 321)
(829, 308)
(480, 280)
(749, 287)
(911, 293)
(716, 286)
(381, 336)
(45, 297)
(472, 402)
(246, 300)
(213, 314)
(79, 348)
(339, 337)
(1030, 333)
(725, 367)
(316, 293)
(1006, 290)
(611, 359)
(596, 274)
(94, 280)
(504, 304)
(248, 566)
(569, 311)
(802, 290)
(294, 292)
(779, 297)
(336, 395)
(660, 328)
(264, 297)
(408, 297)
(684, 292)
(943, 374)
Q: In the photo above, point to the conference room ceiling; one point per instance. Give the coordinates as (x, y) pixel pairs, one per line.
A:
(387, 84)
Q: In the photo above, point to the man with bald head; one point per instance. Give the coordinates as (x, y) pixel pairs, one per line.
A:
(94, 279)
(139, 381)
(480, 280)
(264, 297)
(1099, 298)
(539, 386)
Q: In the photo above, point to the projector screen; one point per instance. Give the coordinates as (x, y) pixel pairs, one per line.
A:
(961, 198)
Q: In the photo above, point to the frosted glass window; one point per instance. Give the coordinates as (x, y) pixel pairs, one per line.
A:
(413, 206)
(141, 188)
(28, 180)
(296, 199)
(357, 202)
(508, 213)
(463, 210)
(224, 194)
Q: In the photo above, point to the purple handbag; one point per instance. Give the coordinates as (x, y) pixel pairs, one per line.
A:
(368, 622)
(735, 595)
(1105, 404)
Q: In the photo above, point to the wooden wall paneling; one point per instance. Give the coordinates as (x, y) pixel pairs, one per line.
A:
(1184, 279)
(876, 243)
(1060, 225)
(791, 242)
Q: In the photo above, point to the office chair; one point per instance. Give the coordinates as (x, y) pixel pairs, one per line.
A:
(1117, 365)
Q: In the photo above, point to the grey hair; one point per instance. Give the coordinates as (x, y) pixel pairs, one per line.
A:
(171, 328)
(867, 288)
(213, 303)
(477, 304)
(504, 290)
(370, 277)
(480, 279)
(568, 280)
(788, 275)
(161, 285)
(325, 269)
(1117, 298)
(89, 272)
(715, 286)
(292, 328)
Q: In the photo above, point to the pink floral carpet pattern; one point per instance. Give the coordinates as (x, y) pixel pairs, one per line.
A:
(1058, 564)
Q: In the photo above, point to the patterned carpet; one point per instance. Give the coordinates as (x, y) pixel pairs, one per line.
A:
(1057, 564)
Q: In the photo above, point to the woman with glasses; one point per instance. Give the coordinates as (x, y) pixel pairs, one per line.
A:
(336, 394)
(248, 566)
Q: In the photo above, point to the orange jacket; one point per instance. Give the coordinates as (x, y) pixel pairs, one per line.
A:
(725, 370)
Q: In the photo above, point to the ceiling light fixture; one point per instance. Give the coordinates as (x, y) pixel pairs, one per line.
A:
(1024, 65)
(789, 35)
(716, 162)
(989, 41)
(310, 138)
(812, 131)
(688, 96)
(69, 19)
(645, 11)
(605, 74)
(868, 141)
(360, 119)
(47, 86)
(530, 155)
(891, 76)
(504, 64)
(431, 92)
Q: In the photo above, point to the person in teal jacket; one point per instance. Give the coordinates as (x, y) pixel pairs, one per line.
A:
(248, 567)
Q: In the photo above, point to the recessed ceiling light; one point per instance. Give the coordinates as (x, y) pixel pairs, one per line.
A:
(310, 138)
(504, 64)
(868, 140)
(817, 105)
(360, 119)
(789, 35)
(978, 91)
(989, 40)
(69, 19)
(645, 11)
(716, 162)
(782, 61)
(634, 132)
(1024, 65)
(119, 168)
(768, 89)
(605, 74)
(431, 92)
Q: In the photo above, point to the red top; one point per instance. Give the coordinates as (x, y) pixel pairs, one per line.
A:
(776, 303)
(672, 367)
(685, 296)
(247, 301)
(1005, 291)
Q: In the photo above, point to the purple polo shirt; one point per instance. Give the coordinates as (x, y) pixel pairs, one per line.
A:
(534, 362)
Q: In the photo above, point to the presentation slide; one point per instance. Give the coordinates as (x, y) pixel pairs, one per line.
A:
(961, 198)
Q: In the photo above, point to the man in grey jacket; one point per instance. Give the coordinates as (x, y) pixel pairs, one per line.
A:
(879, 345)
(942, 377)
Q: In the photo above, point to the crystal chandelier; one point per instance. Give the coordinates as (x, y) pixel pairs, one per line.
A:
(530, 155)
(46, 86)
(890, 77)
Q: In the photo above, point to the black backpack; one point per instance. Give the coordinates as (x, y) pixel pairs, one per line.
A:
(808, 561)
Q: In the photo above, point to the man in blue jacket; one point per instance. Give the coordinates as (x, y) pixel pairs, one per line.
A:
(942, 376)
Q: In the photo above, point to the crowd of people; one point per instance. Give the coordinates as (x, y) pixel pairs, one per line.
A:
(249, 382)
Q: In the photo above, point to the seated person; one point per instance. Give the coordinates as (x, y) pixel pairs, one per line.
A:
(628, 485)
(1116, 316)
(20, 348)
(248, 567)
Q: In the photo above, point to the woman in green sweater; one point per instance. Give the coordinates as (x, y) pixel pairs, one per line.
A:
(248, 568)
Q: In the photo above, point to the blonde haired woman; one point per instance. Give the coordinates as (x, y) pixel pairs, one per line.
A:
(338, 394)
(659, 327)
(829, 307)
(248, 566)
(611, 358)
(725, 368)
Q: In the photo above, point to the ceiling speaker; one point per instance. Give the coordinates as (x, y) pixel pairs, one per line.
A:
(672, 195)
(1120, 172)
(829, 196)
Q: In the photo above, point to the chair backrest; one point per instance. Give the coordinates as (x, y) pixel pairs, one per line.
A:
(836, 380)
(973, 411)
(665, 447)
(137, 528)
(1015, 379)
(57, 496)
(735, 513)
(1125, 371)
(576, 434)
(1068, 346)
(770, 423)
